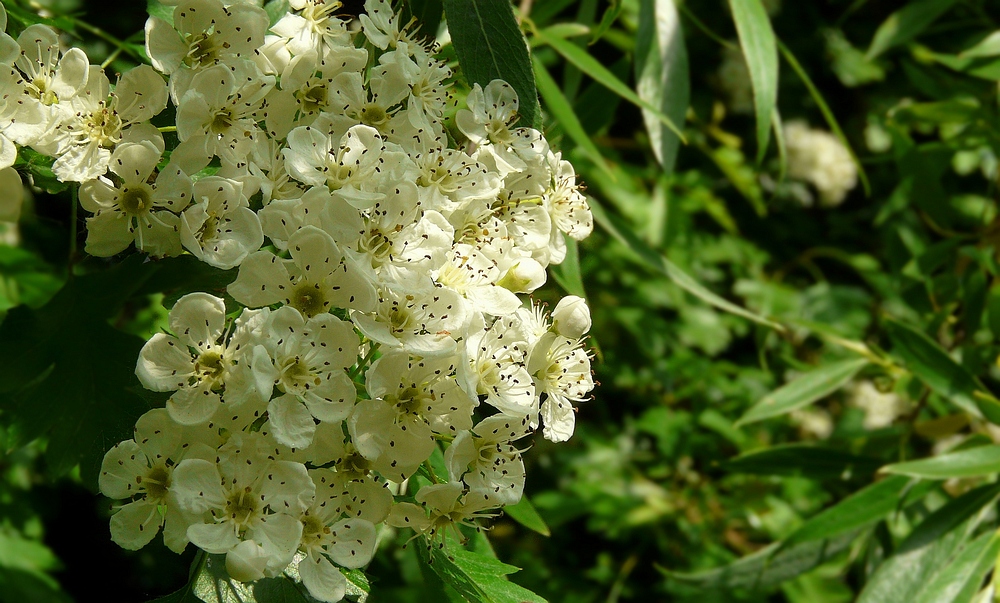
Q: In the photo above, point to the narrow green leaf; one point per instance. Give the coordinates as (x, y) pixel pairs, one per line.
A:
(824, 108)
(490, 45)
(764, 568)
(661, 73)
(589, 65)
(973, 462)
(961, 579)
(655, 261)
(478, 578)
(932, 365)
(864, 507)
(761, 53)
(988, 47)
(906, 24)
(928, 548)
(525, 514)
(804, 390)
(608, 19)
(562, 111)
(803, 460)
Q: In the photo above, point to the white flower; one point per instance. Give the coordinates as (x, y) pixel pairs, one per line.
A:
(425, 323)
(219, 227)
(100, 119)
(216, 116)
(347, 165)
(193, 363)
(316, 279)
(245, 497)
(135, 211)
(443, 507)
(495, 369)
(561, 368)
(486, 459)
(314, 28)
(819, 158)
(309, 362)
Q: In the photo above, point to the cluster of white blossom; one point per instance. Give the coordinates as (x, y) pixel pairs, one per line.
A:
(819, 158)
(380, 251)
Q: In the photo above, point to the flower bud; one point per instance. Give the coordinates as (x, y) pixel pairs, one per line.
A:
(571, 318)
(523, 277)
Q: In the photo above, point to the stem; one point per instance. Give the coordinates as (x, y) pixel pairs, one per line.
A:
(373, 347)
(73, 217)
(167, 128)
(430, 471)
(704, 28)
(100, 33)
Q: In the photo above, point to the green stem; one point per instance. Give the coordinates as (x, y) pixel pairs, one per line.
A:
(365, 361)
(73, 217)
(100, 33)
(430, 471)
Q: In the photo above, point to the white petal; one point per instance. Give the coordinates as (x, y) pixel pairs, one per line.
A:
(119, 470)
(354, 543)
(194, 405)
(135, 524)
(323, 581)
(197, 486)
(246, 562)
(164, 364)
(291, 422)
(215, 538)
(198, 319)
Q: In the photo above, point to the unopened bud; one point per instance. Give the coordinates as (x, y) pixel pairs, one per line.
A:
(523, 277)
(571, 318)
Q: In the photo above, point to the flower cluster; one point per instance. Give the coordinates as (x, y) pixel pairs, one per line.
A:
(819, 158)
(381, 241)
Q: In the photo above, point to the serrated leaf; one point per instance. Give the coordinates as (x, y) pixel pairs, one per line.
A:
(906, 24)
(580, 58)
(804, 390)
(562, 111)
(761, 53)
(657, 262)
(525, 514)
(65, 372)
(973, 462)
(928, 547)
(489, 46)
(661, 72)
(477, 577)
(932, 365)
(863, 508)
(803, 460)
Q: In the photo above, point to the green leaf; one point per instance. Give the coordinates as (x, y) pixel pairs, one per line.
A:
(478, 578)
(765, 568)
(906, 24)
(589, 65)
(661, 73)
(761, 53)
(657, 262)
(863, 508)
(987, 47)
(804, 390)
(824, 108)
(932, 365)
(608, 19)
(525, 514)
(428, 14)
(276, 9)
(564, 115)
(155, 8)
(568, 273)
(803, 460)
(358, 586)
(961, 579)
(928, 547)
(973, 462)
(65, 372)
(490, 46)
(19, 586)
